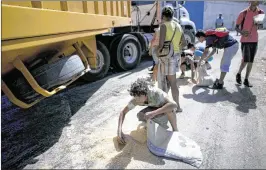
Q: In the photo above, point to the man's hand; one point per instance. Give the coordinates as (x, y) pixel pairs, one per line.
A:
(121, 138)
(149, 115)
(245, 33)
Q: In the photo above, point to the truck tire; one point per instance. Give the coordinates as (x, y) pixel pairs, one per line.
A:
(126, 52)
(103, 64)
(190, 38)
(48, 76)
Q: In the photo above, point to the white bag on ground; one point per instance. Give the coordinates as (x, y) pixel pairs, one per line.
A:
(204, 79)
(162, 142)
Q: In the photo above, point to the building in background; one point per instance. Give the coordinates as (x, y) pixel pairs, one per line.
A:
(204, 13)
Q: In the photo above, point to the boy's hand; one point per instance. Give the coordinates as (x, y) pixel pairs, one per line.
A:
(149, 115)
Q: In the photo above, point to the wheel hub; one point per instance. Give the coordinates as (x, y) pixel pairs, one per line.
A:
(99, 62)
(130, 53)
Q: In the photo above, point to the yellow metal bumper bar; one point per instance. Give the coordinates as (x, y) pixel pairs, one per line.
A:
(18, 64)
(82, 56)
(24, 105)
(13, 98)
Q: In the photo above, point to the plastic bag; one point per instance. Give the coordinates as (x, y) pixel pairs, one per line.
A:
(259, 19)
(204, 79)
(162, 142)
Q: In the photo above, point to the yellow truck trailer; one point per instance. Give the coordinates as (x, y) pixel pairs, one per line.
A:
(46, 45)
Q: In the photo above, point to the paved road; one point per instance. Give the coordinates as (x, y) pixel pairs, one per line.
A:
(77, 128)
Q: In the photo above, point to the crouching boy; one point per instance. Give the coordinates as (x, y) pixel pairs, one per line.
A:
(160, 106)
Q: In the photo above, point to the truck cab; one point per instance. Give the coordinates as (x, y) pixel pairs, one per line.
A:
(147, 14)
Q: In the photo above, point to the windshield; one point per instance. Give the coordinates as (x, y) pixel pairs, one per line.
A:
(141, 2)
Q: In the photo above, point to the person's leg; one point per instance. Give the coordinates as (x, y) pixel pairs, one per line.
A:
(183, 69)
(153, 64)
(222, 76)
(172, 119)
(245, 57)
(249, 68)
(223, 66)
(238, 76)
(228, 55)
(192, 67)
(155, 59)
(242, 66)
(174, 90)
(155, 72)
(253, 51)
(170, 73)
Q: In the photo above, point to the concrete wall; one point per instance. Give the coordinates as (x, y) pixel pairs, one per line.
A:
(195, 10)
(230, 11)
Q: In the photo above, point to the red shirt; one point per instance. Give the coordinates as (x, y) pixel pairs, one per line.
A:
(249, 25)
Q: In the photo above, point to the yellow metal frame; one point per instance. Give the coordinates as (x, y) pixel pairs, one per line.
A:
(18, 64)
(29, 47)
(10, 45)
(34, 22)
(82, 56)
(43, 25)
(13, 98)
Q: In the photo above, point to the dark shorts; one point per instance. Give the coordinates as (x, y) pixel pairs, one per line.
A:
(249, 51)
(161, 119)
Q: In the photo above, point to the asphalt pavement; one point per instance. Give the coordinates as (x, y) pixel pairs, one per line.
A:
(77, 128)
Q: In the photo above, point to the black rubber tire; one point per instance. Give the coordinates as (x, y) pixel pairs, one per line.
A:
(90, 76)
(117, 52)
(190, 34)
(48, 76)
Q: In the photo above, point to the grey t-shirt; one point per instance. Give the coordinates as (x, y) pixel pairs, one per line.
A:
(156, 98)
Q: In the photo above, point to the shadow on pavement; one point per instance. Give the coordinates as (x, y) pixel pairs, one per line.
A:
(27, 133)
(243, 97)
(136, 148)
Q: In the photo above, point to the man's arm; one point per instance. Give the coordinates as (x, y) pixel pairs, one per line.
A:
(120, 136)
(239, 20)
(122, 115)
(169, 106)
(121, 119)
(206, 51)
(162, 37)
(211, 54)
